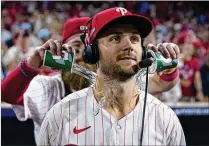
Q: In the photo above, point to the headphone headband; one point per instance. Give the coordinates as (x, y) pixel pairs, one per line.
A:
(83, 37)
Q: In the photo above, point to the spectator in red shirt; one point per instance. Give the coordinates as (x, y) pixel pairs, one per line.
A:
(205, 77)
(190, 78)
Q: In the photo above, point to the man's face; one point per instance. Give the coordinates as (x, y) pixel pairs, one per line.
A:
(188, 49)
(77, 45)
(73, 80)
(120, 49)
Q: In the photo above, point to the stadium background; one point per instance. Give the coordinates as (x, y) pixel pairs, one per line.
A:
(44, 19)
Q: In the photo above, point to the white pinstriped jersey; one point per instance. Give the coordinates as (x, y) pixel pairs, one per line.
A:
(72, 122)
(43, 92)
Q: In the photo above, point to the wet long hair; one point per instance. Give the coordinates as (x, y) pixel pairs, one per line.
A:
(75, 82)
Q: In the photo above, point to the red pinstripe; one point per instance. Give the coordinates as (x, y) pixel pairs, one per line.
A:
(110, 121)
(155, 126)
(163, 126)
(85, 118)
(176, 135)
(55, 120)
(148, 122)
(116, 135)
(140, 113)
(69, 123)
(77, 117)
(61, 113)
(133, 129)
(125, 132)
(94, 123)
(168, 123)
(102, 128)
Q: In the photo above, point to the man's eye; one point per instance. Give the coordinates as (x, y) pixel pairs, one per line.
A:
(77, 51)
(135, 39)
(115, 39)
(77, 45)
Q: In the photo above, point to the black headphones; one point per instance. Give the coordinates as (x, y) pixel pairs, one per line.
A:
(91, 52)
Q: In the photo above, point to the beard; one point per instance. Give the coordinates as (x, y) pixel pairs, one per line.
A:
(115, 71)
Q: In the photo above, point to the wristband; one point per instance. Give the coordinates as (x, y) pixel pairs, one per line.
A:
(26, 70)
(22, 70)
(170, 77)
(168, 72)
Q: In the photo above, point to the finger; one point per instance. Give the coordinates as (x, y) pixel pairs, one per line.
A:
(67, 47)
(152, 47)
(41, 52)
(50, 45)
(59, 47)
(177, 50)
(171, 51)
(163, 50)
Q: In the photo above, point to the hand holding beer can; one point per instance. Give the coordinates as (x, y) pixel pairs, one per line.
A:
(59, 62)
(160, 63)
(67, 63)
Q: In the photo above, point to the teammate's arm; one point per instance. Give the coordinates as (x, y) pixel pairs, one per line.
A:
(16, 83)
(158, 85)
(165, 80)
(14, 86)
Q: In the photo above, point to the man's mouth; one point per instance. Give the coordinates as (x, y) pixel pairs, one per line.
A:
(128, 58)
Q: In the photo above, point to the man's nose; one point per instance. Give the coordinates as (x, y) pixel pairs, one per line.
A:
(127, 44)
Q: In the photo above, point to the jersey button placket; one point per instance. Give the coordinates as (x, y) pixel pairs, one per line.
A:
(117, 127)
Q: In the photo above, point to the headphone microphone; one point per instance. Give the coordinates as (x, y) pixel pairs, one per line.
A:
(145, 63)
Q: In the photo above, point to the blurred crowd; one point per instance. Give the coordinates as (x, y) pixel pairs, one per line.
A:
(26, 25)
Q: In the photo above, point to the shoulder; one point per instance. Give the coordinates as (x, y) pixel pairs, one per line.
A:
(41, 83)
(162, 112)
(69, 106)
(46, 80)
(161, 108)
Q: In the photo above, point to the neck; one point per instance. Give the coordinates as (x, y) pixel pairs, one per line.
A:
(120, 97)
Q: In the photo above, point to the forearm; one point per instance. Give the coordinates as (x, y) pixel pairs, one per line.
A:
(16, 83)
(150, 39)
(198, 82)
(198, 86)
(164, 82)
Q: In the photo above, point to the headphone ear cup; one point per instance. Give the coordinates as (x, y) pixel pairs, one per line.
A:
(90, 54)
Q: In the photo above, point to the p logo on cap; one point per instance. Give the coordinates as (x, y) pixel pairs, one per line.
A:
(121, 10)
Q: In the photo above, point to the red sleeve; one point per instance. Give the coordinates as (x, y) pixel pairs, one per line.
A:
(16, 83)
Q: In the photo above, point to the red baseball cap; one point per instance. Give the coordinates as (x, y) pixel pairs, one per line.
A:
(74, 26)
(118, 15)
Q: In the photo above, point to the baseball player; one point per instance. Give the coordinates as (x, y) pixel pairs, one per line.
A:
(33, 95)
(110, 111)
(43, 92)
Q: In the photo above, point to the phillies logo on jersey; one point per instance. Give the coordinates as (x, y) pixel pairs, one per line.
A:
(121, 10)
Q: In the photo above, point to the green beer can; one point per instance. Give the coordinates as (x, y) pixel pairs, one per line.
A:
(59, 62)
(161, 63)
